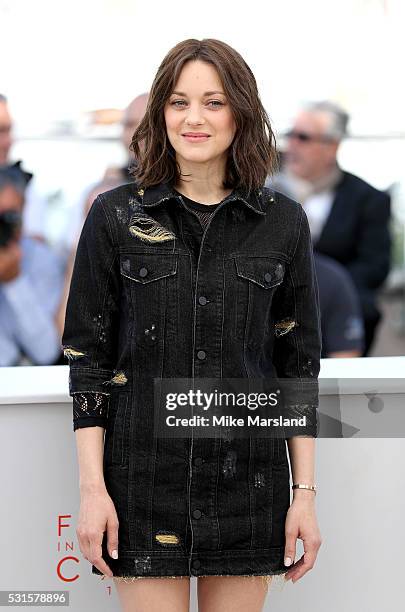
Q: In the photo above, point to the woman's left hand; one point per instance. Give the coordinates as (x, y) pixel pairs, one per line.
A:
(301, 523)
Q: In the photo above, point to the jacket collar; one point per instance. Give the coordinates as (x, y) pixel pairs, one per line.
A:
(152, 196)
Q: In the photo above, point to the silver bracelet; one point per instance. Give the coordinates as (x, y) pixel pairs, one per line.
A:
(304, 486)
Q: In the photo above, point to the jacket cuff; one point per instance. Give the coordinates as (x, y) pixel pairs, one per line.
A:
(88, 405)
(300, 401)
(89, 422)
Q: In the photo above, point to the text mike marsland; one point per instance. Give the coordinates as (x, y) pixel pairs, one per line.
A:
(230, 421)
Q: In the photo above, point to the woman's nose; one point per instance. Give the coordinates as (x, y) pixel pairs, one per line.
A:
(194, 115)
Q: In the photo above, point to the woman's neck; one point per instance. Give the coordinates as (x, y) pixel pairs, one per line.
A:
(202, 183)
(203, 190)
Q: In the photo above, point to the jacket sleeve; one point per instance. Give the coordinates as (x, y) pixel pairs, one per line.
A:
(92, 319)
(371, 265)
(297, 333)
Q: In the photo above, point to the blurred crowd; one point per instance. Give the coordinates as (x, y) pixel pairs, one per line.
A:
(348, 217)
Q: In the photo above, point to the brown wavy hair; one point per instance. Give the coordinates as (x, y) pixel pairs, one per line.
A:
(252, 155)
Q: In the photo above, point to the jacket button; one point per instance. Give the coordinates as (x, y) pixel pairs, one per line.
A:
(196, 564)
(143, 271)
(197, 514)
(198, 461)
(201, 354)
(202, 300)
(267, 277)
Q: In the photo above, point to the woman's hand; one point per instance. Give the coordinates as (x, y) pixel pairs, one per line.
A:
(301, 523)
(97, 514)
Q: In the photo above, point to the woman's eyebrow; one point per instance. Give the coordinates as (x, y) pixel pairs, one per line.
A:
(207, 93)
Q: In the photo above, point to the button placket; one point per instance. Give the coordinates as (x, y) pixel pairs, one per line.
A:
(208, 279)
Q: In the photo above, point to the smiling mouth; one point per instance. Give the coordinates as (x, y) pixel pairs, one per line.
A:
(196, 137)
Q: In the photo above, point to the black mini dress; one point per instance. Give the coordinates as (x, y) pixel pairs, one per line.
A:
(148, 301)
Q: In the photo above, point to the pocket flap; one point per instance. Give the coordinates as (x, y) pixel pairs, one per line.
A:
(145, 268)
(264, 271)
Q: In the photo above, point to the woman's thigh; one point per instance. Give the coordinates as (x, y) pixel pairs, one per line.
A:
(231, 593)
(154, 594)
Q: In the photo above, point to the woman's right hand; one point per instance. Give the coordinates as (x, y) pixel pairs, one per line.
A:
(97, 514)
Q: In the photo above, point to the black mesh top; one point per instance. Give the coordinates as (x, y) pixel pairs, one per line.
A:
(204, 211)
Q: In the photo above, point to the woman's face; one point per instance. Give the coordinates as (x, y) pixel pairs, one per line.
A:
(199, 120)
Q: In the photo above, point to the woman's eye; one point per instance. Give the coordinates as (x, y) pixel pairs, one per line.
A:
(213, 103)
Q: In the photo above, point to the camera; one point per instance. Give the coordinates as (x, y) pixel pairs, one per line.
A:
(10, 220)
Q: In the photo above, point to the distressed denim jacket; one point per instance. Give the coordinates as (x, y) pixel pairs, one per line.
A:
(148, 301)
(143, 303)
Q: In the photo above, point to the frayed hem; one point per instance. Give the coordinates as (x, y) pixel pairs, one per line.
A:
(269, 580)
(133, 578)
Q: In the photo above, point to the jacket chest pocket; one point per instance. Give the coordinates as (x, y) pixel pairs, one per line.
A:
(150, 288)
(257, 279)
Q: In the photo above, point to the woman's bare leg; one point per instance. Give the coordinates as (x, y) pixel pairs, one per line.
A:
(231, 593)
(154, 594)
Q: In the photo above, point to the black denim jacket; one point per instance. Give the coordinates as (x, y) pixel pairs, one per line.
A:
(145, 303)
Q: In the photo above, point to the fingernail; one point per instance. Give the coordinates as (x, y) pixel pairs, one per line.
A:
(287, 561)
(114, 554)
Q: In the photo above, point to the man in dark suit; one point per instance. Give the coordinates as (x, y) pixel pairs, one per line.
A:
(349, 218)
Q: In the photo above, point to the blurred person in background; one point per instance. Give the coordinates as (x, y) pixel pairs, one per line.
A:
(348, 217)
(31, 282)
(132, 117)
(34, 214)
(118, 174)
(341, 318)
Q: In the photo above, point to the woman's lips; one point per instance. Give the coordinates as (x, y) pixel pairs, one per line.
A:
(195, 137)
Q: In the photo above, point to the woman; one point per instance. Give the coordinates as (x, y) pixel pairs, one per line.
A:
(194, 270)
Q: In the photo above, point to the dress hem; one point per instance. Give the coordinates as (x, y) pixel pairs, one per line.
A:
(164, 564)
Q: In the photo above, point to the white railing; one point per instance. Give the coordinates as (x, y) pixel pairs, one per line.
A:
(360, 497)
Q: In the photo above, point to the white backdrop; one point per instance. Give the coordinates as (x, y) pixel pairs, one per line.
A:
(65, 58)
(360, 502)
